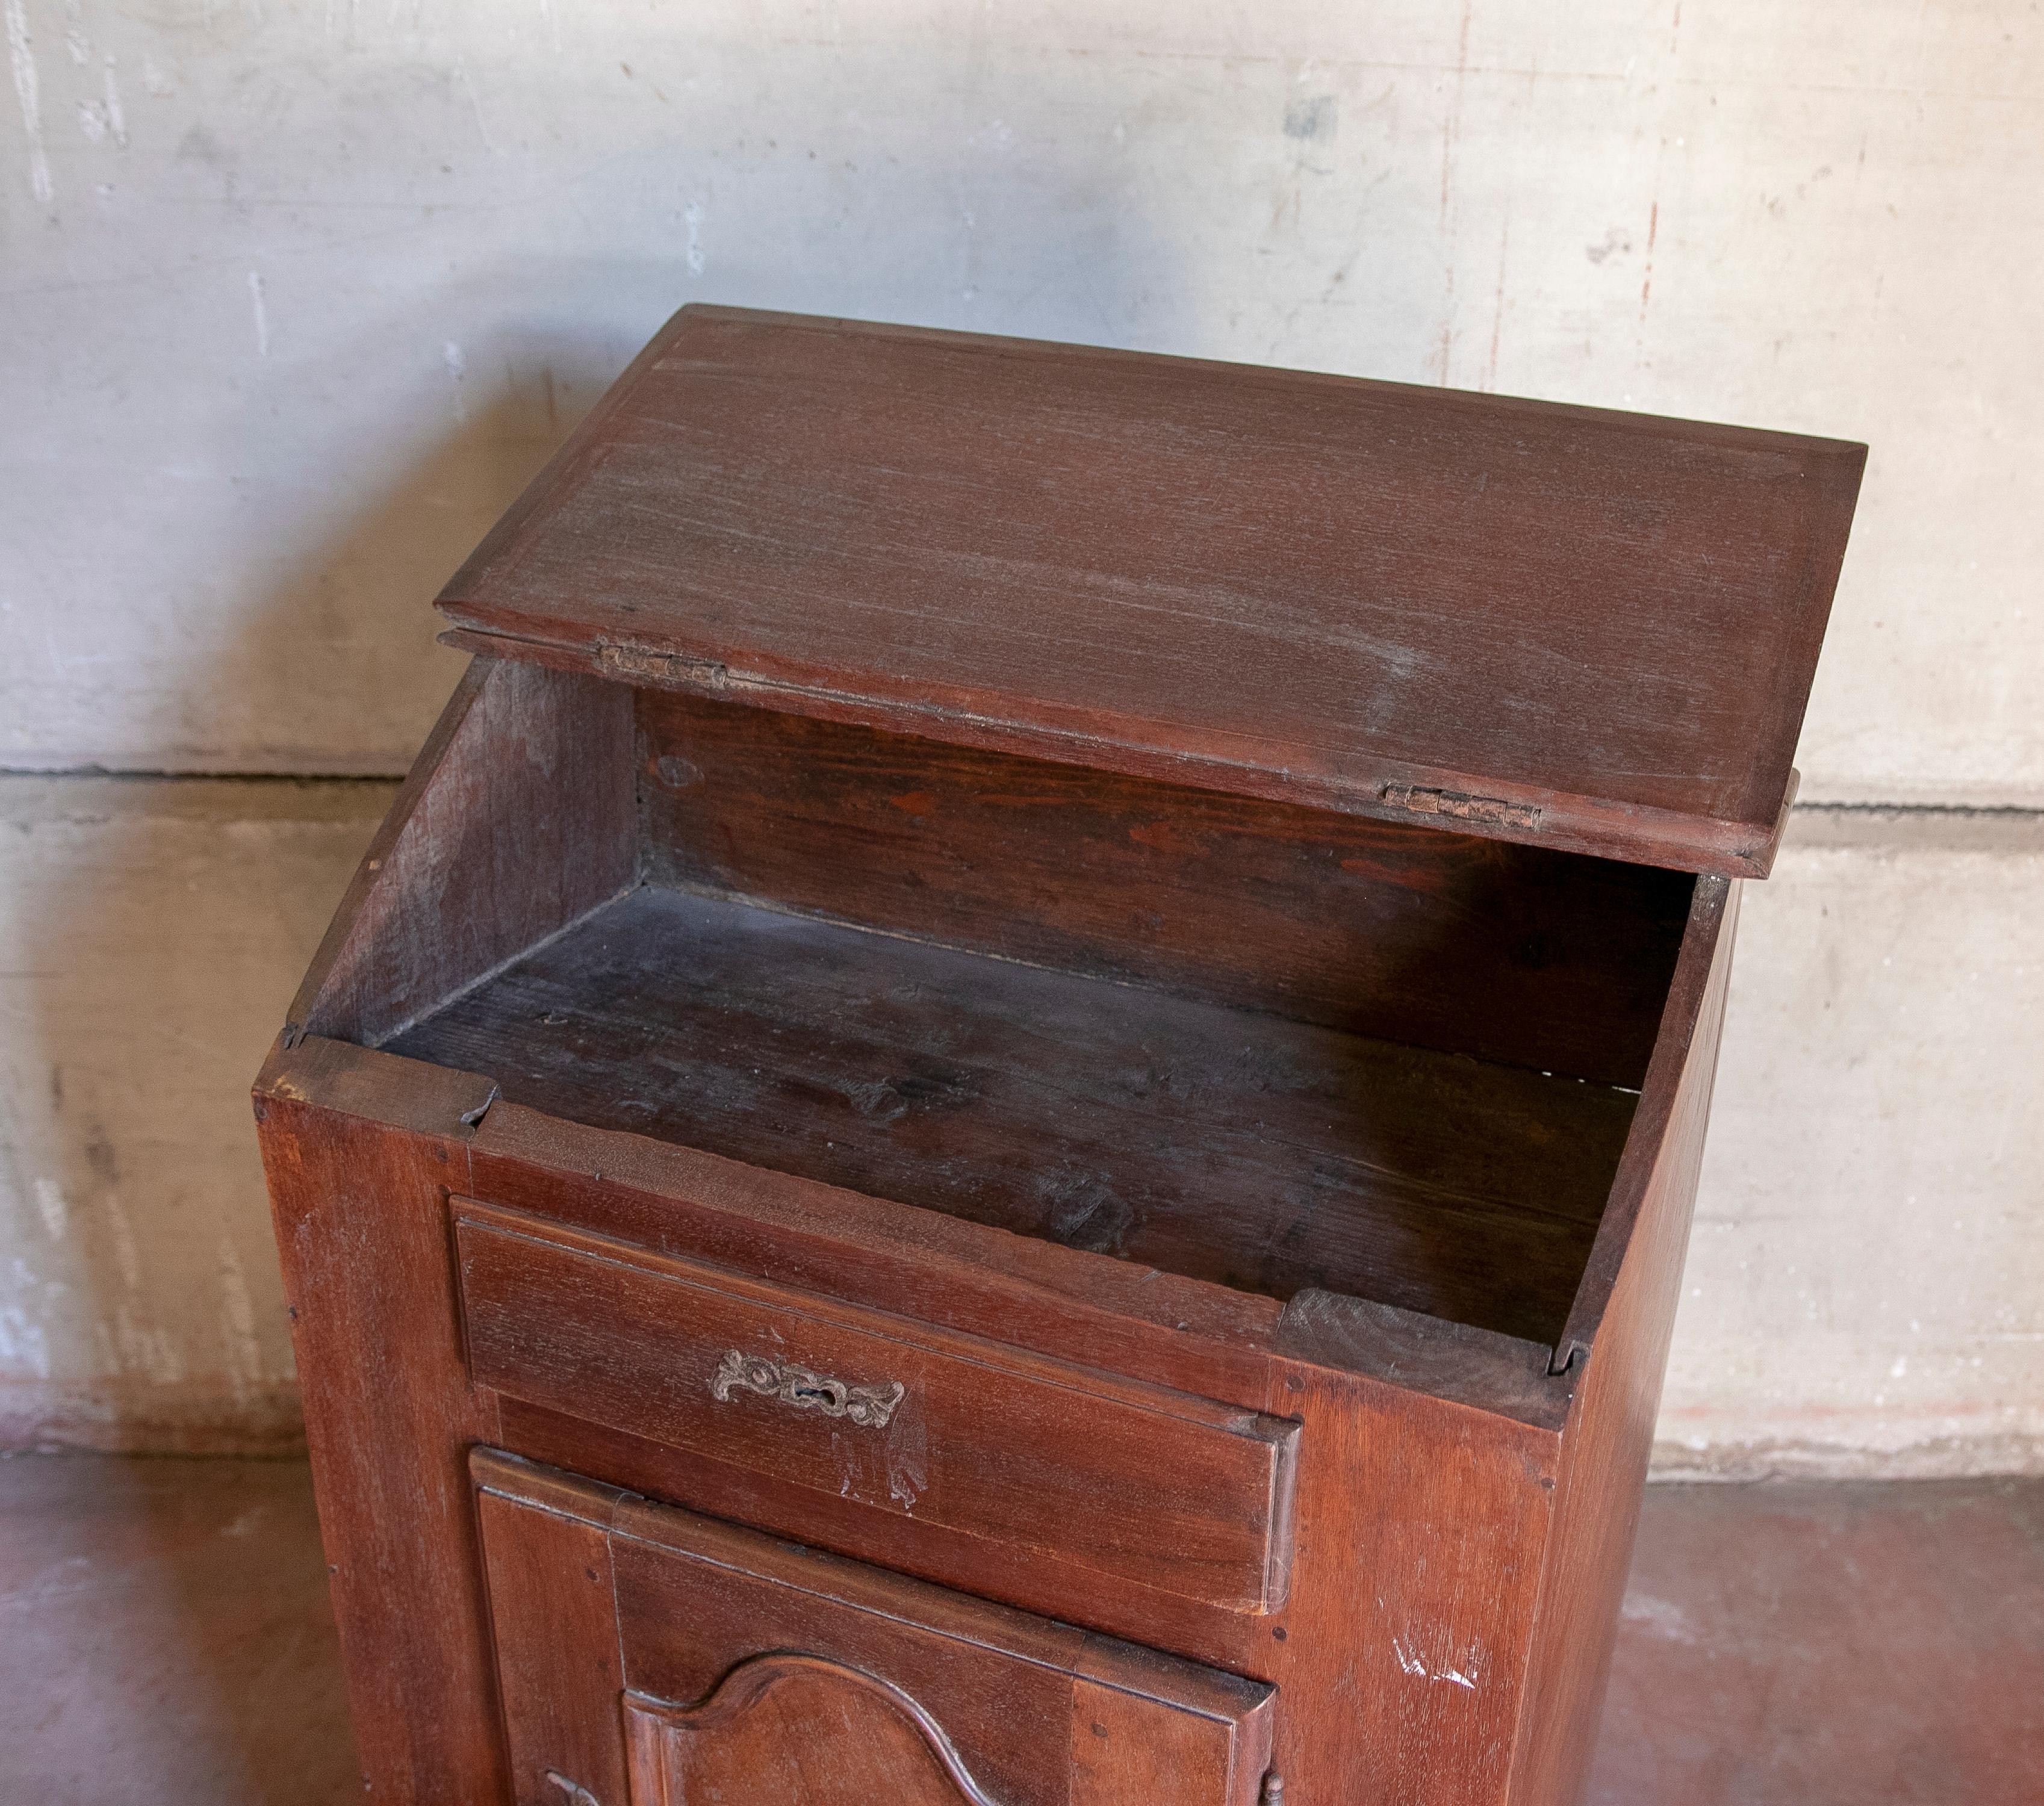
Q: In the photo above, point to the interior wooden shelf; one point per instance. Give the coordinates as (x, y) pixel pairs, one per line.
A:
(1222, 1144)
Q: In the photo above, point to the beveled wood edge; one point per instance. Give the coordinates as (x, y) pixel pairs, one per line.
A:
(742, 1687)
(566, 461)
(1766, 852)
(1124, 1291)
(1281, 1520)
(1489, 1376)
(1502, 1374)
(1272, 771)
(1713, 911)
(340, 930)
(1278, 1435)
(985, 1623)
(1238, 1333)
(1713, 433)
(352, 1081)
(551, 1489)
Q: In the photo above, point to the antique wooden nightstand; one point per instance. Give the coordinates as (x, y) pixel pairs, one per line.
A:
(1009, 1114)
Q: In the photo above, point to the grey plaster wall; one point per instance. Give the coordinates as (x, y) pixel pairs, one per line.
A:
(294, 295)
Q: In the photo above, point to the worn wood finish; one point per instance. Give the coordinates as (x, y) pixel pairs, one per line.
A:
(1408, 933)
(1304, 588)
(1706, 956)
(1113, 1315)
(779, 1674)
(761, 1730)
(361, 1151)
(941, 1270)
(1056, 1584)
(1009, 991)
(553, 1619)
(1627, 1316)
(1178, 1494)
(1445, 1506)
(1220, 1144)
(517, 818)
(1406, 1646)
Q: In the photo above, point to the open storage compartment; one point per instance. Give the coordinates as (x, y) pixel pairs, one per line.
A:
(1260, 1044)
(1088, 978)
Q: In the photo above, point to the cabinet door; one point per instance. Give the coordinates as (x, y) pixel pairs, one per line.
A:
(651, 1657)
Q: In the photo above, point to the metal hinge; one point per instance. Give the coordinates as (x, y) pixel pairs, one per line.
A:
(665, 667)
(1461, 805)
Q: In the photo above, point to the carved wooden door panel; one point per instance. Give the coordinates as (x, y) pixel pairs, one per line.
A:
(798, 1729)
(650, 1657)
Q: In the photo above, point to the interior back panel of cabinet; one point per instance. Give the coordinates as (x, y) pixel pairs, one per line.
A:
(1516, 954)
(1225, 1144)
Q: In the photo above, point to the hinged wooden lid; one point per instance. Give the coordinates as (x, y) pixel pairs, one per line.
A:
(1584, 629)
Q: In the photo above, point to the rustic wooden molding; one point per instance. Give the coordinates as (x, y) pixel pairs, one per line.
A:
(653, 1725)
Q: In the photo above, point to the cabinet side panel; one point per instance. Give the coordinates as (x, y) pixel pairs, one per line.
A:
(1402, 1659)
(1610, 1431)
(519, 816)
(360, 1213)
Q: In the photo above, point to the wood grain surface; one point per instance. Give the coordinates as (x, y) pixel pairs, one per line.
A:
(360, 1149)
(1411, 933)
(1221, 1144)
(516, 818)
(1588, 629)
(1004, 982)
(1178, 1494)
(1623, 1325)
(781, 1673)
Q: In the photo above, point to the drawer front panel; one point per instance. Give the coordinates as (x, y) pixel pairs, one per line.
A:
(652, 1656)
(1167, 1492)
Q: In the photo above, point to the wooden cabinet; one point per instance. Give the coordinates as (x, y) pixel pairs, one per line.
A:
(738, 1668)
(924, 1430)
(1009, 1113)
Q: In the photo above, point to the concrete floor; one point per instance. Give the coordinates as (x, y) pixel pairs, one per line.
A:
(166, 1639)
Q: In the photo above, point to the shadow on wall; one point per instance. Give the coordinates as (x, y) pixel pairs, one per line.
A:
(162, 926)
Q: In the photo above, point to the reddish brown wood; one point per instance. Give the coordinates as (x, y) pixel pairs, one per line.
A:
(1627, 1316)
(760, 1733)
(1064, 1160)
(926, 1426)
(1406, 1642)
(1056, 1584)
(1446, 1506)
(1221, 1144)
(361, 1151)
(1706, 956)
(553, 1618)
(1408, 933)
(1450, 1361)
(1117, 1314)
(777, 1673)
(516, 819)
(1596, 630)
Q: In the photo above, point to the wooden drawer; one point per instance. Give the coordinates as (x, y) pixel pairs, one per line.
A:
(649, 1655)
(1126, 1481)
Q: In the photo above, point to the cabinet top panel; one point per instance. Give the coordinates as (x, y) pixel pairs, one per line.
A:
(1571, 627)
